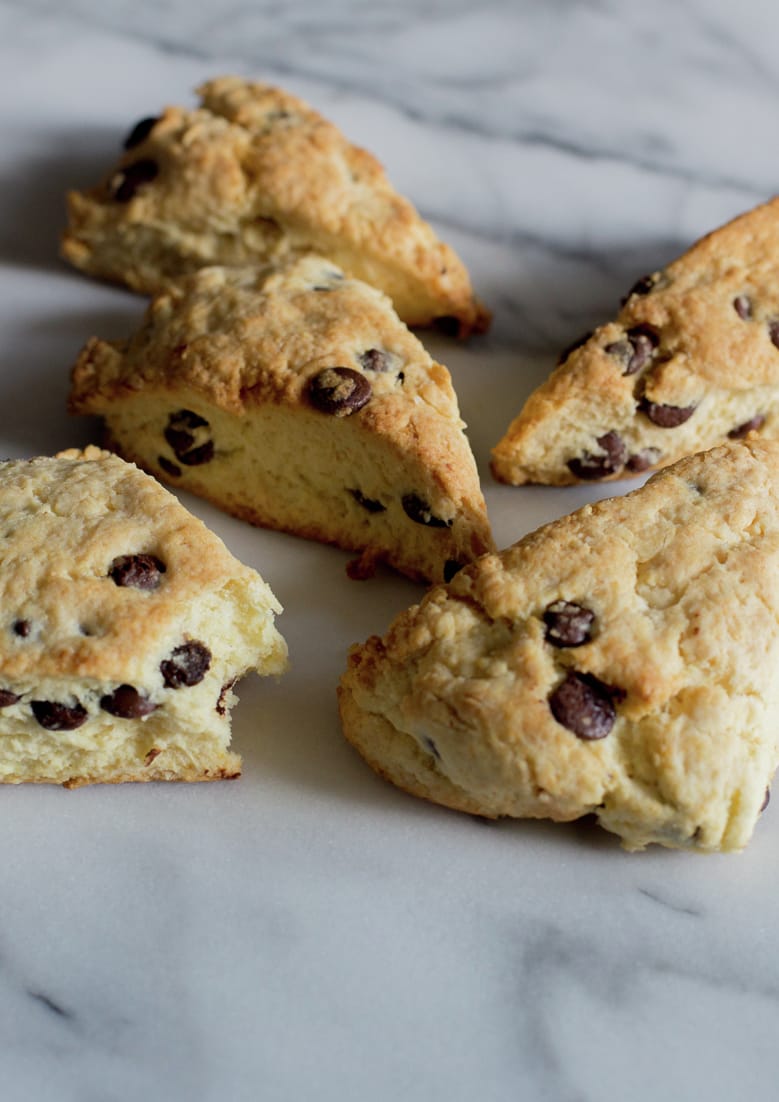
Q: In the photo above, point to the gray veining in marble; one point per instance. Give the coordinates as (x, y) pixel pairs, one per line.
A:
(308, 932)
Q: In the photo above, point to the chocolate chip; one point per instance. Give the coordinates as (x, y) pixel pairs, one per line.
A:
(666, 417)
(126, 183)
(620, 350)
(187, 665)
(448, 325)
(168, 467)
(221, 704)
(637, 350)
(180, 434)
(22, 627)
(773, 332)
(197, 456)
(339, 391)
(566, 352)
(374, 359)
(589, 467)
(127, 703)
(140, 132)
(643, 460)
(137, 571)
(742, 304)
(7, 698)
(568, 624)
(420, 512)
(584, 705)
(645, 285)
(752, 425)
(179, 439)
(452, 567)
(58, 717)
(187, 419)
(371, 504)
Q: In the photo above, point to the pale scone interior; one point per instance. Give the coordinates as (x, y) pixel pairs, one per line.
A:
(126, 624)
(295, 398)
(619, 661)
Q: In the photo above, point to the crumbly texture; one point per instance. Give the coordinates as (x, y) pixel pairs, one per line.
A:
(691, 360)
(295, 398)
(620, 661)
(125, 623)
(254, 175)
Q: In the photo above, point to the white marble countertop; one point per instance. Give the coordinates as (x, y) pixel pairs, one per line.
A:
(308, 932)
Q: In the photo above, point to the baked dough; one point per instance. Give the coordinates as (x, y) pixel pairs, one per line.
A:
(254, 175)
(125, 623)
(295, 398)
(620, 661)
(691, 360)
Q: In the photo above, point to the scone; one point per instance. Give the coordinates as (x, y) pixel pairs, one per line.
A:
(620, 661)
(125, 624)
(691, 360)
(295, 398)
(255, 175)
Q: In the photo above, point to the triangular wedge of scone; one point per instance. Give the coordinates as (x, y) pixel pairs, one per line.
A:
(691, 360)
(254, 175)
(620, 661)
(295, 398)
(125, 624)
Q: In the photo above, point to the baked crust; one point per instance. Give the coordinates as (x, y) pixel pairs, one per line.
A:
(656, 712)
(691, 359)
(255, 175)
(242, 351)
(125, 624)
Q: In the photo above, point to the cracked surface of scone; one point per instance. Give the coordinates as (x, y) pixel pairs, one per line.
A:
(296, 399)
(620, 661)
(125, 623)
(254, 175)
(691, 360)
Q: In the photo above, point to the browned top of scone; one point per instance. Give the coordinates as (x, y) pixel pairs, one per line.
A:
(241, 337)
(99, 567)
(692, 356)
(618, 660)
(258, 164)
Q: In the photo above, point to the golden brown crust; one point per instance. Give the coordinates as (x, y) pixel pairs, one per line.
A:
(255, 175)
(677, 586)
(124, 623)
(66, 520)
(228, 771)
(678, 371)
(241, 351)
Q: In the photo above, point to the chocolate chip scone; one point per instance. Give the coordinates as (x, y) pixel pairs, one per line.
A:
(295, 398)
(691, 360)
(620, 661)
(255, 175)
(125, 624)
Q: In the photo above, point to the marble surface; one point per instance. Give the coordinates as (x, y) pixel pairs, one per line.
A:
(308, 932)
